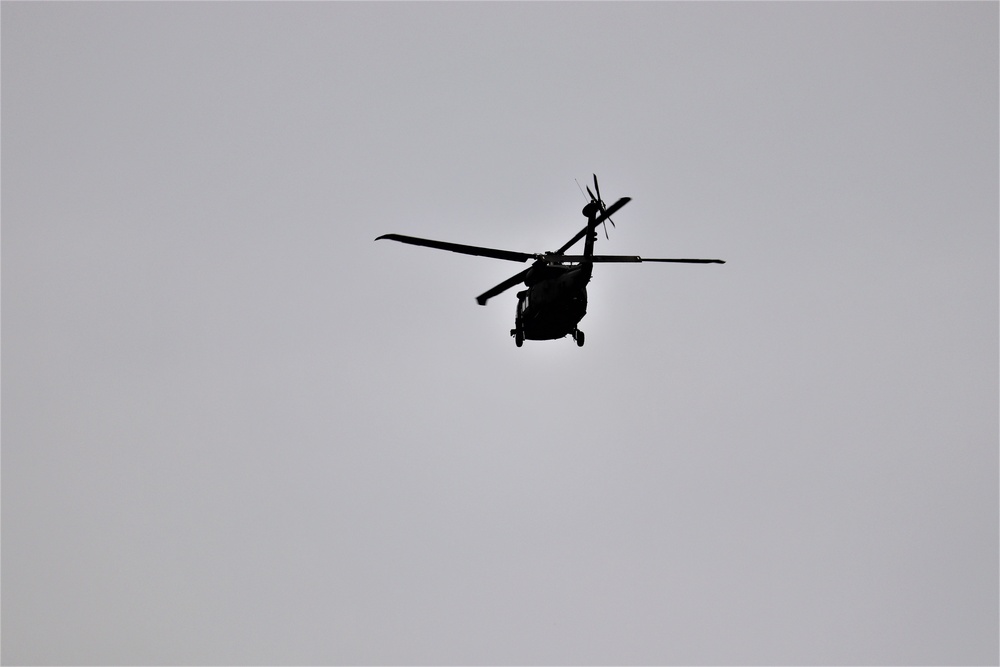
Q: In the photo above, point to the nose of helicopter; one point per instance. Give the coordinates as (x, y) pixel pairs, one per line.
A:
(591, 210)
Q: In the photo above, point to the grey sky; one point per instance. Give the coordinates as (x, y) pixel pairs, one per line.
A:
(237, 430)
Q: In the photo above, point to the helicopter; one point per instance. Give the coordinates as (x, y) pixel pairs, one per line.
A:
(556, 296)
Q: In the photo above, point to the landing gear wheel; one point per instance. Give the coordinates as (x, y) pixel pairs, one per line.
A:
(578, 337)
(518, 336)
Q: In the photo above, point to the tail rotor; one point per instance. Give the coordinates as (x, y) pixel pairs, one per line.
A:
(596, 199)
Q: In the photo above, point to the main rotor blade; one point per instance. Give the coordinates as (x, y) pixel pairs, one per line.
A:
(509, 255)
(608, 212)
(563, 259)
(502, 287)
(684, 261)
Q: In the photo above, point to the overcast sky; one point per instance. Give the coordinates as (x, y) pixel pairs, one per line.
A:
(237, 430)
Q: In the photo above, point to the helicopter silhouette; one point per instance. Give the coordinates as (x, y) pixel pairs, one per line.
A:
(556, 296)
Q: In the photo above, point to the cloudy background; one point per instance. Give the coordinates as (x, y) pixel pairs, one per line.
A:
(237, 430)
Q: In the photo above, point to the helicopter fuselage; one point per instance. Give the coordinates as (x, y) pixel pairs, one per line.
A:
(553, 304)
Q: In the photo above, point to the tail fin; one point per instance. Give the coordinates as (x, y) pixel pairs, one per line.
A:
(591, 236)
